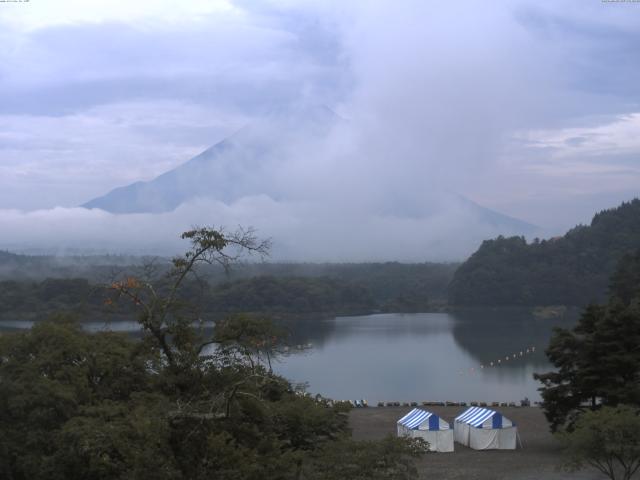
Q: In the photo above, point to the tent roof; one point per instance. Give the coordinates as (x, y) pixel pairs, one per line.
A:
(475, 416)
(415, 418)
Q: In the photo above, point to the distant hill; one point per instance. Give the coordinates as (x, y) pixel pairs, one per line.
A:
(570, 270)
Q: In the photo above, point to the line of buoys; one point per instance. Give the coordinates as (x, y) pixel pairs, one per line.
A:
(500, 361)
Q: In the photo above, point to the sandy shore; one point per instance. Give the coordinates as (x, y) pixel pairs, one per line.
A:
(539, 459)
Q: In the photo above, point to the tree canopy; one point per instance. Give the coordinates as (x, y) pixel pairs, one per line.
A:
(607, 440)
(102, 405)
(571, 270)
(598, 361)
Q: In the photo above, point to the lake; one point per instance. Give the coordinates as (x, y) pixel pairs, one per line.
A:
(425, 356)
(413, 357)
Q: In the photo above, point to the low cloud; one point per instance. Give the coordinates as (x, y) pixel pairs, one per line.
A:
(501, 102)
(300, 231)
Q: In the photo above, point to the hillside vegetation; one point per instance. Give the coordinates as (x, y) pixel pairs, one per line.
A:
(570, 270)
(287, 289)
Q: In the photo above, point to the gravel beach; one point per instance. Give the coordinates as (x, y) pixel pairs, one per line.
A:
(539, 459)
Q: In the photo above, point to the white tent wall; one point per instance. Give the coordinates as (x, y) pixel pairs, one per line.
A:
(439, 440)
(444, 441)
(431, 428)
(461, 433)
(493, 438)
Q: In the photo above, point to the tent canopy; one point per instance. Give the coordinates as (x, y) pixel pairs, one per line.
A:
(423, 420)
(479, 417)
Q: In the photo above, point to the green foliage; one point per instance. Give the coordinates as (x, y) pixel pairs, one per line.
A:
(390, 458)
(267, 294)
(105, 406)
(49, 376)
(81, 405)
(40, 299)
(607, 439)
(282, 290)
(625, 283)
(570, 270)
(597, 362)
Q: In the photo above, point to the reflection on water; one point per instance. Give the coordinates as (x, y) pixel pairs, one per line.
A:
(411, 357)
(429, 356)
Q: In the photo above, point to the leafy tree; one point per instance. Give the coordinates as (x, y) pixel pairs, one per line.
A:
(255, 340)
(390, 458)
(607, 439)
(51, 375)
(104, 406)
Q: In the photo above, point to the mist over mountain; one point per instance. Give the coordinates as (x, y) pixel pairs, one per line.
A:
(429, 130)
(308, 162)
(236, 167)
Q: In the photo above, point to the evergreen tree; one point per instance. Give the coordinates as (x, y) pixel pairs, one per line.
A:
(598, 361)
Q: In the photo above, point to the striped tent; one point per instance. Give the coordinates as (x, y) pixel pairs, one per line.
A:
(420, 423)
(485, 429)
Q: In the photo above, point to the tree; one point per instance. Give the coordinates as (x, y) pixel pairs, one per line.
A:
(570, 270)
(104, 406)
(254, 339)
(597, 362)
(54, 374)
(607, 439)
(625, 282)
(161, 312)
(391, 458)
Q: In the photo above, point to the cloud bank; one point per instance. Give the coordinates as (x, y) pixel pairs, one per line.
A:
(526, 107)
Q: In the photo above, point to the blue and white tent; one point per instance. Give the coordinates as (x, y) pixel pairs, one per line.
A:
(484, 429)
(420, 423)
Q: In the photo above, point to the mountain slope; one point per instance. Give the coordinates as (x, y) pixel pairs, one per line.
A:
(573, 269)
(292, 168)
(227, 171)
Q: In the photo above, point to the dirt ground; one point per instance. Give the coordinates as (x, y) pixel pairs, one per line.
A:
(539, 459)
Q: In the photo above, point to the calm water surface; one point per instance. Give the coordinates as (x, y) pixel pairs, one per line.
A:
(427, 356)
(413, 357)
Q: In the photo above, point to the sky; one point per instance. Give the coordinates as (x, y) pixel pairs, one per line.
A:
(530, 108)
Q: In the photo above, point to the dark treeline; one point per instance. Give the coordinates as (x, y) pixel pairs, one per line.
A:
(269, 294)
(571, 270)
(326, 289)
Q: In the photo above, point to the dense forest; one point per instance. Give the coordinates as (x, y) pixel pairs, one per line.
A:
(309, 289)
(569, 270)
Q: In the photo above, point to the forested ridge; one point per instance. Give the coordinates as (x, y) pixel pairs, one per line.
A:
(289, 289)
(570, 270)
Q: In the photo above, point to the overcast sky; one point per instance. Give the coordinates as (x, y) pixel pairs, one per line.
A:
(531, 108)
